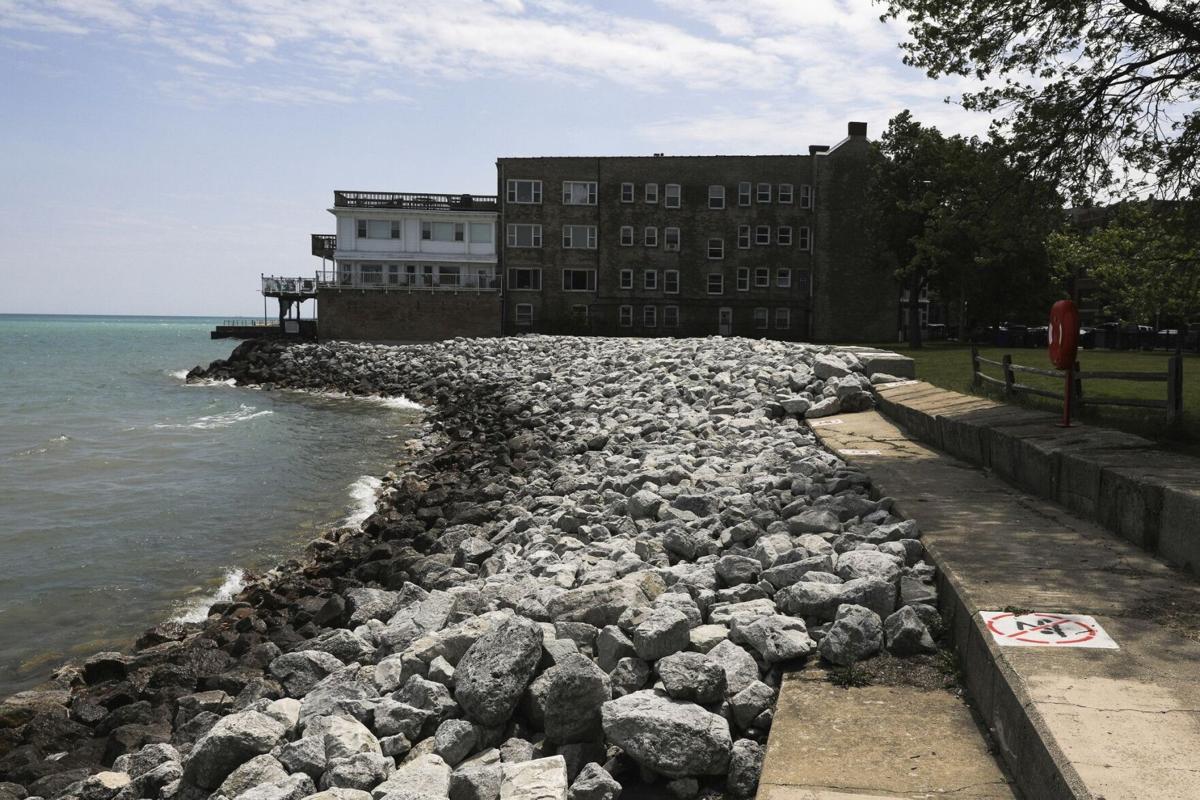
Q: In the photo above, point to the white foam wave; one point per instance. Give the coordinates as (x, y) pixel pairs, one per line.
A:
(179, 374)
(196, 610)
(363, 493)
(400, 403)
(222, 420)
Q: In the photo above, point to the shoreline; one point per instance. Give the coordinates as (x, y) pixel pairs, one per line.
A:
(453, 525)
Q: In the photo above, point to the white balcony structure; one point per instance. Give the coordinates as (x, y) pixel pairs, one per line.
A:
(392, 241)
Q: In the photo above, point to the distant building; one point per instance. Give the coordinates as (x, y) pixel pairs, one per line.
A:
(767, 246)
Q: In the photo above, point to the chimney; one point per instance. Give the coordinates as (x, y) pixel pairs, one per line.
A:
(854, 129)
(813, 149)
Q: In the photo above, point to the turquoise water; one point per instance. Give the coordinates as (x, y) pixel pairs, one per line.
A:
(127, 496)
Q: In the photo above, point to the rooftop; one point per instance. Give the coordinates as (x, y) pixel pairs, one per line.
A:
(415, 200)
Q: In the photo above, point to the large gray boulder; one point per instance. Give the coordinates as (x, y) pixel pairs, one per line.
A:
(260, 769)
(776, 638)
(426, 776)
(663, 631)
(745, 766)
(231, 742)
(741, 669)
(575, 690)
(856, 633)
(671, 737)
(692, 676)
(493, 673)
(868, 564)
(594, 783)
(299, 672)
(601, 604)
(906, 634)
(540, 779)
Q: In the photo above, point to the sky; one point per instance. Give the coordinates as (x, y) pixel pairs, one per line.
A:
(157, 156)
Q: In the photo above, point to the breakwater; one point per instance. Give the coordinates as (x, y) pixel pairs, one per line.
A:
(591, 574)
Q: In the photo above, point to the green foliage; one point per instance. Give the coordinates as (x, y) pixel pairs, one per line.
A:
(849, 677)
(1091, 93)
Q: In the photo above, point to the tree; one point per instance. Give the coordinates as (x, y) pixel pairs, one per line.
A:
(1146, 262)
(1094, 94)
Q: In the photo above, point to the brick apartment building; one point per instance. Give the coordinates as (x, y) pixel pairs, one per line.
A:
(764, 246)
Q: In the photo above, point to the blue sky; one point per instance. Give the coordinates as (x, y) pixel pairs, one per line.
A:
(157, 155)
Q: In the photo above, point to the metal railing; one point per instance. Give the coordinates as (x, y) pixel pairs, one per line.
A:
(427, 202)
(489, 282)
(323, 244)
(274, 285)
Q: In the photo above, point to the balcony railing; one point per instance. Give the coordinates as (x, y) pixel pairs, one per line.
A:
(323, 244)
(275, 286)
(425, 202)
(470, 282)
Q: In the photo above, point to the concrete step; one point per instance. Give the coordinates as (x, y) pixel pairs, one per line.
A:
(1070, 722)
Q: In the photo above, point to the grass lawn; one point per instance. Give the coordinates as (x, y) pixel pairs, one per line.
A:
(949, 366)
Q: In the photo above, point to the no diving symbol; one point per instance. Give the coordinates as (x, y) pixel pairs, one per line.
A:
(1046, 630)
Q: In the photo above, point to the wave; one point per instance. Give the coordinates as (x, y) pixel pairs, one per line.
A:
(363, 493)
(399, 403)
(178, 374)
(55, 441)
(196, 610)
(222, 420)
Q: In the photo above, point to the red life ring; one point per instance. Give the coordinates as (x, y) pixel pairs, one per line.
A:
(1064, 334)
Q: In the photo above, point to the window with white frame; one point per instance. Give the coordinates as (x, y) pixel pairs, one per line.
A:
(650, 236)
(671, 281)
(783, 318)
(743, 279)
(651, 196)
(672, 196)
(785, 193)
(520, 235)
(525, 279)
(370, 274)
(764, 193)
(627, 236)
(716, 283)
(783, 278)
(744, 190)
(524, 315)
(626, 192)
(744, 237)
(393, 273)
(804, 238)
(805, 196)
(579, 193)
(650, 279)
(762, 234)
(716, 196)
(443, 231)
(716, 248)
(626, 279)
(579, 280)
(762, 277)
(378, 228)
(524, 191)
(783, 235)
(650, 316)
(670, 316)
(671, 239)
(481, 232)
(761, 318)
(579, 237)
(625, 316)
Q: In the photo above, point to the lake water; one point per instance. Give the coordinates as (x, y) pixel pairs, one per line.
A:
(128, 497)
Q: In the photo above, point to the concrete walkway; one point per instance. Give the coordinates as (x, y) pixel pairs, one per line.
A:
(1117, 724)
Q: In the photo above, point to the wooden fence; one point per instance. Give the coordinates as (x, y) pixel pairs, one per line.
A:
(1172, 377)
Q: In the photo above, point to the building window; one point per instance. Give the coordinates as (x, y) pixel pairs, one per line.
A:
(443, 231)
(524, 316)
(716, 283)
(783, 278)
(761, 319)
(626, 192)
(481, 232)
(783, 318)
(762, 277)
(803, 239)
(650, 236)
(802, 281)
(523, 191)
(524, 235)
(393, 276)
(716, 248)
(525, 279)
(579, 193)
(673, 196)
(805, 196)
(671, 239)
(744, 237)
(579, 280)
(449, 276)
(784, 234)
(650, 279)
(626, 279)
(744, 193)
(370, 273)
(785, 193)
(625, 316)
(764, 193)
(671, 281)
(670, 316)
(743, 279)
(651, 195)
(580, 314)
(716, 196)
(627, 236)
(378, 229)
(579, 237)
(762, 234)
(650, 316)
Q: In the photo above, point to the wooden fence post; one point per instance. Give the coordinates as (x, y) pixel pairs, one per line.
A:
(1008, 375)
(1077, 388)
(975, 381)
(1174, 389)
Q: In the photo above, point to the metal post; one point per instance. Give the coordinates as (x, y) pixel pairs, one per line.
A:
(1067, 392)
(1078, 386)
(1008, 374)
(975, 366)
(1174, 389)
